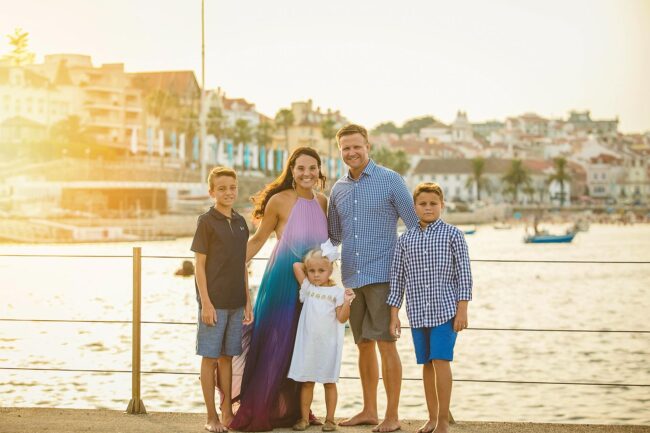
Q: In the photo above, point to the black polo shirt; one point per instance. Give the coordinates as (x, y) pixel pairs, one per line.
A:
(223, 240)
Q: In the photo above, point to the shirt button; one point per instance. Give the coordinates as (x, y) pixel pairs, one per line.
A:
(425, 251)
(425, 269)
(357, 254)
(355, 218)
(358, 271)
(355, 236)
(355, 201)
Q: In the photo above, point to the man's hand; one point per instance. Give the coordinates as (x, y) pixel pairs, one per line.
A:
(248, 314)
(208, 314)
(460, 321)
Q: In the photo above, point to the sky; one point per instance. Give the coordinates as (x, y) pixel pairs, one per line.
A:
(375, 60)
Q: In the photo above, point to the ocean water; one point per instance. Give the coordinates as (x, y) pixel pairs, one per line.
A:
(506, 295)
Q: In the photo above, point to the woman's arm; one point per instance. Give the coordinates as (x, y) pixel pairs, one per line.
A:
(267, 226)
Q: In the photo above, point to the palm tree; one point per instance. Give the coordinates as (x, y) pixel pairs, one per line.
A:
(264, 137)
(328, 131)
(285, 119)
(241, 133)
(478, 177)
(561, 175)
(71, 135)
(516, 176)
(19, 54)
(190, 127)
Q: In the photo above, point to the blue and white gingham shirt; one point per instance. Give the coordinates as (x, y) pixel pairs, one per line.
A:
(363, 217)
(432, 266)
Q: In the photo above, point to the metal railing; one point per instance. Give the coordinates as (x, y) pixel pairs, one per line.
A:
(136, 405)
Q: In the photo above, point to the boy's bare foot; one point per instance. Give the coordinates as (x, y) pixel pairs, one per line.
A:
(362, 418)
(214, 425)
(428, 427)
(442, 427)
(388, 425)
(226, 417)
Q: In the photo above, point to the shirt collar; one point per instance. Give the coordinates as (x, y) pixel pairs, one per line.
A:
(431, 227)
(369, 170)
(218, 215)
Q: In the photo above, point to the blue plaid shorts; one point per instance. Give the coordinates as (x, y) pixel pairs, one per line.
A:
(224, 338)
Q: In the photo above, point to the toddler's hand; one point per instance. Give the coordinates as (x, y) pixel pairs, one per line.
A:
(349, 295)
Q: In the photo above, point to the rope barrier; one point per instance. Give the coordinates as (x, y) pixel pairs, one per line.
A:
(99, 256)
(150, 322)
(194, 373)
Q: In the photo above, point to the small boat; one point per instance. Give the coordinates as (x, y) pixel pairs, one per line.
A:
(469, 231)
(549, 239)
(502, 226)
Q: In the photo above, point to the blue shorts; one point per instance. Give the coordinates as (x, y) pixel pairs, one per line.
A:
(434, 343)
(224, 338)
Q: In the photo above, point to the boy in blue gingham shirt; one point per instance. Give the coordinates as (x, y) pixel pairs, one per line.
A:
(431, 265)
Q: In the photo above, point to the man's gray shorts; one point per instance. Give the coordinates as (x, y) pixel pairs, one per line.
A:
(370, 314)
(224, 338)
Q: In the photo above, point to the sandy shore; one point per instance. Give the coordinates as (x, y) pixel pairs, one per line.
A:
(19, 420)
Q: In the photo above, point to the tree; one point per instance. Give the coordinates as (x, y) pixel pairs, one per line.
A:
(284, 118)
(216, 123)
(561, 175)
(414, 125)
(395, 160)
(387, 127)
(241, 133)
(164, 106)
(478, 178)
(264, 138)
(19, 54)
(71, 136)
(328, 131)
(516, 177)
(191, 128)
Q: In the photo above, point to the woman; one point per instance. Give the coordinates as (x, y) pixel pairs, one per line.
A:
(291, 208)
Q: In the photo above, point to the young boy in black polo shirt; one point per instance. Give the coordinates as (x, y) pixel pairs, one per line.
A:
(222, 292)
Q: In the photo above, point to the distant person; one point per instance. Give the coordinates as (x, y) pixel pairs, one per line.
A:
(319, 340)
(431, 264)
(365, 205)
(291, 207)
(222, 292)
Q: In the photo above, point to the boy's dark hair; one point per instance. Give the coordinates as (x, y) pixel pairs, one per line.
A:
(350, 130)
(218, 172)
(428, 187)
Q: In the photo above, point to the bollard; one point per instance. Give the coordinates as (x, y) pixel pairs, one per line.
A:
(135, 405)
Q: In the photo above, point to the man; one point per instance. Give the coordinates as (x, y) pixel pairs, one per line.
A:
(364, 208)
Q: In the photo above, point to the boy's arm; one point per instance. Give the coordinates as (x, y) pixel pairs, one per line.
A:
(267, 225)
(403, 202)
(248, 309)
(299, 272)
(397, 288)
(464, 277)
(333, 222)
(208, 313)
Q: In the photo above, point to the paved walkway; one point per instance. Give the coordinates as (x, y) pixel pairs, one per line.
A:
(20, 420)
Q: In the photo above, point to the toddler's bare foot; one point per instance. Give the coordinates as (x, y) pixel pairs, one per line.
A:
(387, 425)
(362, 418)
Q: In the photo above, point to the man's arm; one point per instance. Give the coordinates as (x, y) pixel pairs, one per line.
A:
(403, 202)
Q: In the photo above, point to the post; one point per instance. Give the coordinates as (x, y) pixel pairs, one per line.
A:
(135, 405)
(202, 109)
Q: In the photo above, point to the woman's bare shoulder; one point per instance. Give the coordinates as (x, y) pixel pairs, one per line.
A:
(281, 199)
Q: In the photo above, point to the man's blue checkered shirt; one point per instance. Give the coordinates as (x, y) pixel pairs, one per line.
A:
(432, 267)
(363, 217)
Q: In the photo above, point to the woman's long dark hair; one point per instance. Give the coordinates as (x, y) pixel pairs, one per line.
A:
(284, 181)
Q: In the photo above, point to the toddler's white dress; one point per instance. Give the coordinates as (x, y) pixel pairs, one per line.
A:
(319, 339)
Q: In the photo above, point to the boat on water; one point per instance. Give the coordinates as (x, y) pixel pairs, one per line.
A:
(502, 226)
(470, 231)
(549, 239)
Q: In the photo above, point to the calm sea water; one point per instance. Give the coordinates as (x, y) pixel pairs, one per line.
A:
(506, 295)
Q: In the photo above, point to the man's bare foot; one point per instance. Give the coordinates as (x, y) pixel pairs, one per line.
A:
(428, 427)
(362, 418)
(214, 425)
(442, 427)
(388, 425)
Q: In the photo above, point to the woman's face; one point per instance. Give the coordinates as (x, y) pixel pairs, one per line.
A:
(305, 171)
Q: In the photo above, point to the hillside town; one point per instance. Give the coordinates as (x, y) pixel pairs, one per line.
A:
(83, 140)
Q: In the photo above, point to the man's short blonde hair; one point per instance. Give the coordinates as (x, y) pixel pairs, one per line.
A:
(218, 172)
(350, 130)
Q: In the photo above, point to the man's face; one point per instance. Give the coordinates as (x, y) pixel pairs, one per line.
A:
(355, 151)
(224, 190)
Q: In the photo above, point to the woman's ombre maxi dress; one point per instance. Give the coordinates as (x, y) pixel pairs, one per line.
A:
(268, 399)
